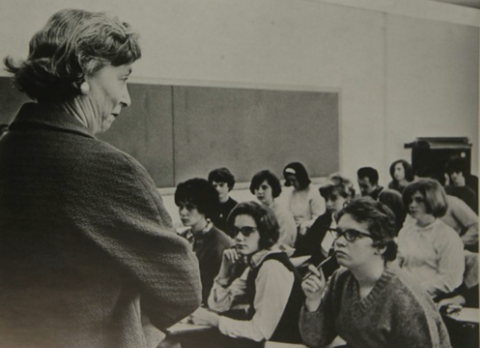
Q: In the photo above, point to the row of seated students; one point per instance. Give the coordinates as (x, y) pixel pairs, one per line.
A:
(252, 258)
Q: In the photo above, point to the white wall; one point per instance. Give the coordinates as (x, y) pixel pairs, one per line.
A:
(403, 68)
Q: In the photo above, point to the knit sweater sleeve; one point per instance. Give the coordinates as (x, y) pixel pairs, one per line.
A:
(415, 322)
(317, 328)
(122, 213)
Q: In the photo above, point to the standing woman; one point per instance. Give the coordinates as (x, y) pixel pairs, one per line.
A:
(368, 304)
(430, 250)
(303, 201)
(88, 254)
(402, 174)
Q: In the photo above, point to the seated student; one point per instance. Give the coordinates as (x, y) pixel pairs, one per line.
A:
(266, 187)
(459, 215)
(368, 183)
(456, 169)
(430, 250)
(318, 241)
(303, 201)
(196, 200)
(262, 302)
(402, 174)
(369, 304)
(223, 181)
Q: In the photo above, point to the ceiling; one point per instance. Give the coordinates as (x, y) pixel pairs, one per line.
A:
(467, 3)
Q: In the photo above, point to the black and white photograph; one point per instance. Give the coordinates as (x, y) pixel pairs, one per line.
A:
(239, 173)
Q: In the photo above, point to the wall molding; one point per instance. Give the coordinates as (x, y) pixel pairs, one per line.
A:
(423, 9)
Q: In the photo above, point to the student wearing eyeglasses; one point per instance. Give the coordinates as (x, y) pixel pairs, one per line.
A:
(257, 294)
(318, 240)
(368, 303)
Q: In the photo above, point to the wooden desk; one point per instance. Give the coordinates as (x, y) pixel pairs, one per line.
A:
(270, 344)
(182, 328)
(466, 315)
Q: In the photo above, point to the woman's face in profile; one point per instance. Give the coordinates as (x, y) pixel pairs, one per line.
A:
(399, 172)
(108, 95)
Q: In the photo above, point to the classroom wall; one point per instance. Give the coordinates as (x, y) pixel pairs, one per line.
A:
(403, 68)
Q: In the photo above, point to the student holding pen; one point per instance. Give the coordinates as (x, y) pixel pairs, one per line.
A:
(368, 303)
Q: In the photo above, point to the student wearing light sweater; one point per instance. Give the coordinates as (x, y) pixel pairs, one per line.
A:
(369, 304)
(303, 200)
(430, 250)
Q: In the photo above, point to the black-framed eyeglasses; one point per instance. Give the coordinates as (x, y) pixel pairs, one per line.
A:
(245, 230)
(350, 234)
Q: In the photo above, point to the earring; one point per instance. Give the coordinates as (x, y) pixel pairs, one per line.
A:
(84, 87)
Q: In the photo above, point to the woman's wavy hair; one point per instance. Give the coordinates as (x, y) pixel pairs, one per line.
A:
(339, 185)
(407, 167)
(73, 44)
(264, 218)
(200, 193)
(300, 172)
(270, 178)
(433, 192)
(380, 221)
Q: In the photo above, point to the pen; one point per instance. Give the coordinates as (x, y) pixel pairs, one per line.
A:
(319, 267)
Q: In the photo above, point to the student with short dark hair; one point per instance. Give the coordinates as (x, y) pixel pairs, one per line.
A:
(223, 181)
(266, 187)
(197, 200)
(368, 303)
(368, 183)
(456, 169)
(256, 295)
(430, 250)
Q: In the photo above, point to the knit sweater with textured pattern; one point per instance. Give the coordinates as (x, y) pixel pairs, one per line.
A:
(394, 314)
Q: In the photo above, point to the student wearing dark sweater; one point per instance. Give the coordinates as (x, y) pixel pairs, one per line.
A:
(368, 304)
(223, 181)
(196, 200)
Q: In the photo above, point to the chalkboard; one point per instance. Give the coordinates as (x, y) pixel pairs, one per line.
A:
(180, 132)
(248, 130)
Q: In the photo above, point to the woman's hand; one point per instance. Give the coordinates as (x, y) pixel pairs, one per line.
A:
(313, 287)
(203, 316)
(303, 227)
(452, 304)
(230, 258)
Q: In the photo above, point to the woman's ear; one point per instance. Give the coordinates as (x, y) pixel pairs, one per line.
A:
(84, 87)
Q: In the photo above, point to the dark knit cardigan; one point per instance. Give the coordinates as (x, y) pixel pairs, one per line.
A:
(87, 251)
(395, 314)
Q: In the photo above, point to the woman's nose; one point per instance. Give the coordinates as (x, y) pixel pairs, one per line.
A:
(126, 101)
(239, 237)
(340, 241)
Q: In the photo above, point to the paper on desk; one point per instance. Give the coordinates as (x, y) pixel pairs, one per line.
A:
(468, 315)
